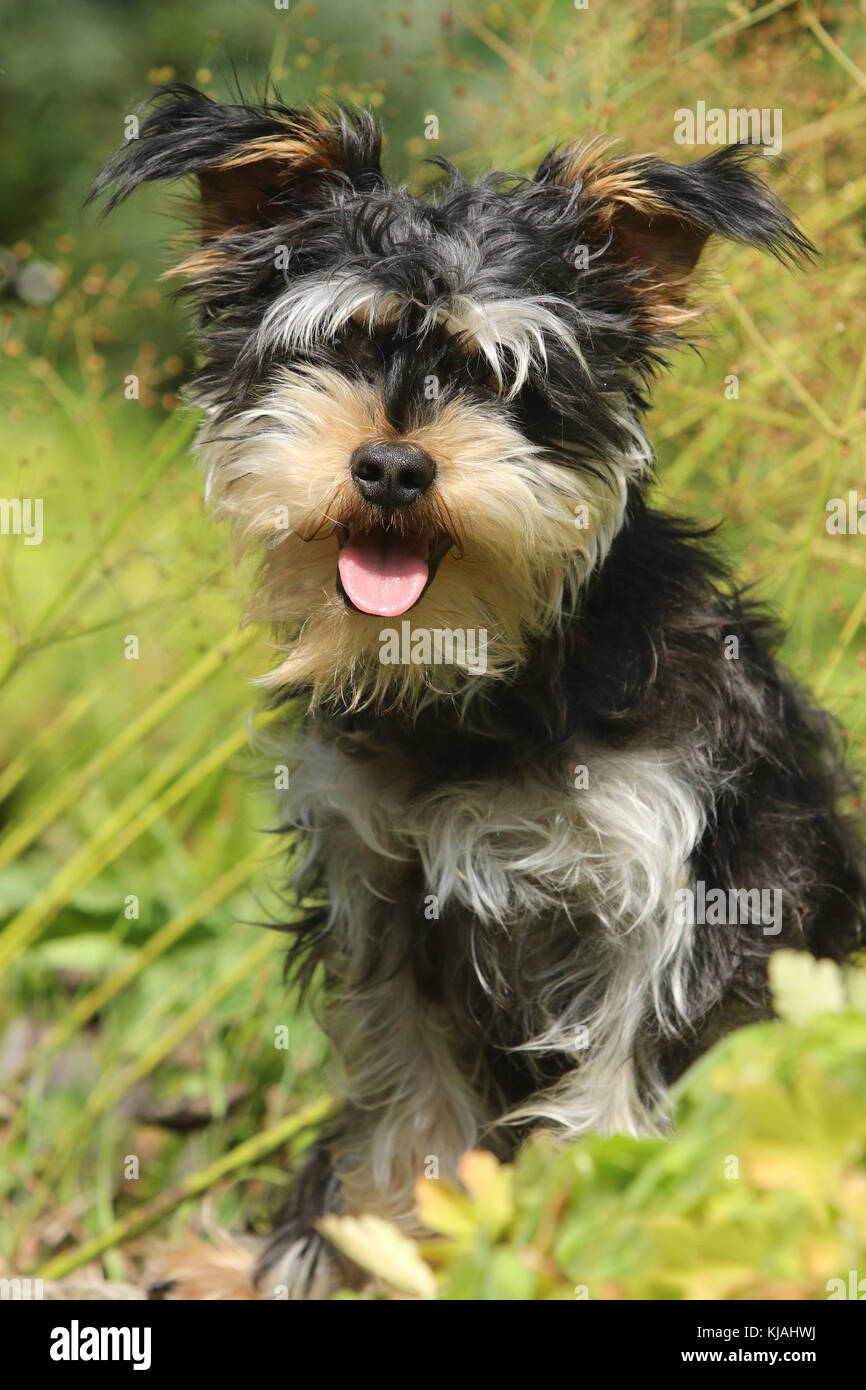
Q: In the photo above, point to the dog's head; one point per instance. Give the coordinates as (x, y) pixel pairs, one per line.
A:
(427, 411)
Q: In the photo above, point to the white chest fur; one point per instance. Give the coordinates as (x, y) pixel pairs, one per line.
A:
(611, 835)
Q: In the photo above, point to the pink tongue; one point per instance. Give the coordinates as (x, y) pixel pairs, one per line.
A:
(384, 573)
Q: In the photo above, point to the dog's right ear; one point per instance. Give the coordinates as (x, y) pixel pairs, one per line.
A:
(255, 165)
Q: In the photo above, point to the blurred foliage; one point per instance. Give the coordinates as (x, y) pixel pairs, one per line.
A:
(760, 1191)
(138, 1003)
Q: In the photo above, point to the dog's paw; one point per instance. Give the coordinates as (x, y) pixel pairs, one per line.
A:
(305, 1266)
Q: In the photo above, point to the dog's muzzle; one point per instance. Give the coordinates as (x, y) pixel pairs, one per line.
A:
(385, 568)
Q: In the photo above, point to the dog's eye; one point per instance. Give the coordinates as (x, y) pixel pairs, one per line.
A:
(481, 373)
(344, 340)
(354, 346)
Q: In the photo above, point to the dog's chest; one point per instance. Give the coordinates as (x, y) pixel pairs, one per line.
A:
(608, 833)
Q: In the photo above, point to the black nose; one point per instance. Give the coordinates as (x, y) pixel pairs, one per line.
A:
(392, 475)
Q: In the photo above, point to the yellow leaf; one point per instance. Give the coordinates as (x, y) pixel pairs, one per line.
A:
(442, 1208)
(490, 1185)
(383, 1250)
(803, 988)
(784, 1168)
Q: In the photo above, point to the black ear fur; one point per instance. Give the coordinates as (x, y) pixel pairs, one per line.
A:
(662, 214)
(247, 158)
(722, 195)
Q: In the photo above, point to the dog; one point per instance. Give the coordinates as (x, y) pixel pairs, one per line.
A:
(550, 774)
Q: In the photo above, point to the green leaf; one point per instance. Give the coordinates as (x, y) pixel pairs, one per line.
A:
(88, 953)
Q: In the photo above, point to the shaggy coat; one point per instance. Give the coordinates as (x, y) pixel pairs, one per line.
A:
(533, 888)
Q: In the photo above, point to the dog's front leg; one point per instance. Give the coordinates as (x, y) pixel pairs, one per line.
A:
(409, 1111)
(298, 1262)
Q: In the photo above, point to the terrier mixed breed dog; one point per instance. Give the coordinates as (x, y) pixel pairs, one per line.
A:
(434, 409)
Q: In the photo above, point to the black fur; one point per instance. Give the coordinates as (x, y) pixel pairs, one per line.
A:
(637, 656)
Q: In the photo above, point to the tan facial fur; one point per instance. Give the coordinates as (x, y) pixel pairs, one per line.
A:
(281, 471)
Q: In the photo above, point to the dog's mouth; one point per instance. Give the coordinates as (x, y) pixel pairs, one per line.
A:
(385, 572)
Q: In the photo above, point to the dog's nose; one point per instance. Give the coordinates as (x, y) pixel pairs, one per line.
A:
(392, 475)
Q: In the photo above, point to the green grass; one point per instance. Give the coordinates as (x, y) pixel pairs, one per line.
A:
(124, 779)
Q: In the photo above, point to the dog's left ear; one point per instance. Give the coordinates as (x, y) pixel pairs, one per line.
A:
(255, 165)
(653, 219)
